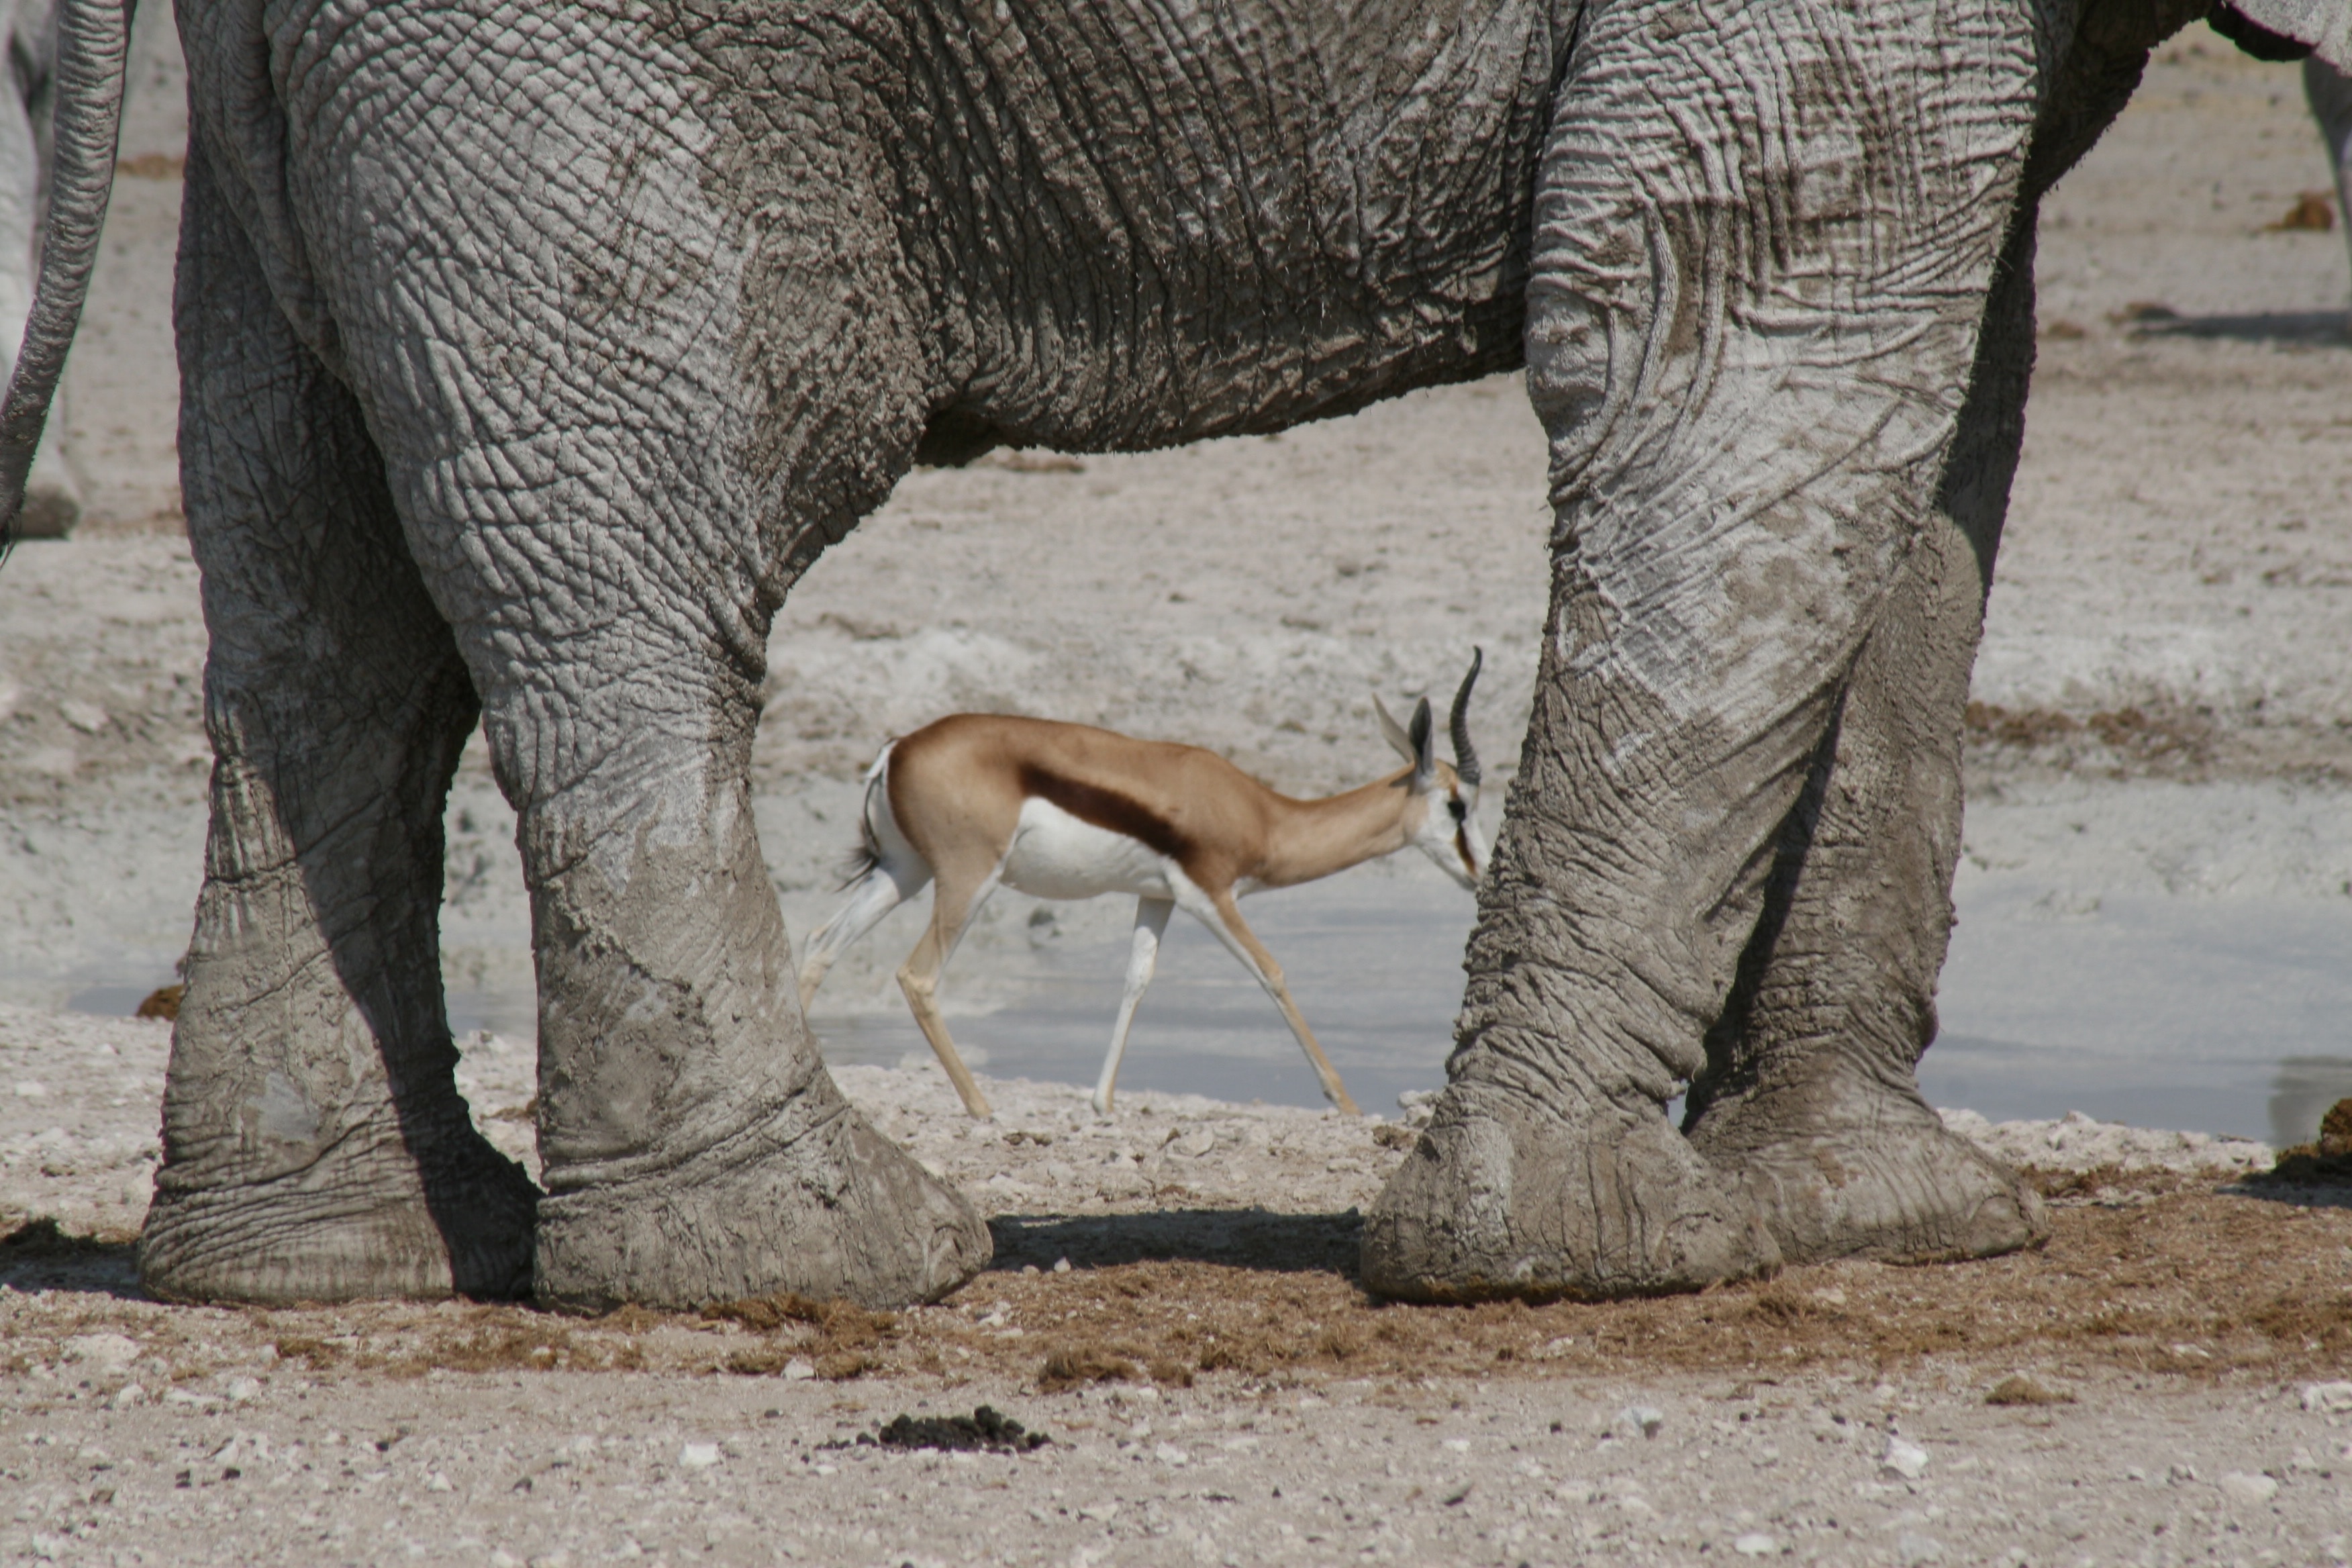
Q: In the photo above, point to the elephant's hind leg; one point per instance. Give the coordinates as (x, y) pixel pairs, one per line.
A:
(1809, 1095)
(315, 1146)
(1743, 344)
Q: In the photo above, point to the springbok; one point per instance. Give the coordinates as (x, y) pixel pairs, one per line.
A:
(1069, 811)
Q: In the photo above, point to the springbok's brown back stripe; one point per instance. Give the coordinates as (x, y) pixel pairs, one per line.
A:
(1107, 809)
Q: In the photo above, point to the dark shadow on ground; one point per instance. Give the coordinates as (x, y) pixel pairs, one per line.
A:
(2325, 329)
(41, 1256)
(1245, 1238)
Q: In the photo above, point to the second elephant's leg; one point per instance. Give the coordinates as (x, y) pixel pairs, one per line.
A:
(1746, 338)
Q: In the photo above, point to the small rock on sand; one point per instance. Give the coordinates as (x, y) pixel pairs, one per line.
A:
(1905, 1460)
(2332, 1398)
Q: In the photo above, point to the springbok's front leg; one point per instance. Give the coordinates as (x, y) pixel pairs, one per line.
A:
(955, 899)
(1222, 915)
(1143, 958)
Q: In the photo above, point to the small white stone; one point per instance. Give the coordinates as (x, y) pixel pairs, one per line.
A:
(698, 1456)
(129, 1395)
(437, 1482)
(798, 1370)
(1103, 1513)
(1756, 1544)
(31, 1089)
(1642, 1418)
(1458, 1445)
(2248, 1490)
(2328, 1398)
(241, 1389)
(1061, 1266)
(1912, 1550)
(1905, 1460)
(111, 1353)
(502, 1558)
(1169, 1453)
(87, 717)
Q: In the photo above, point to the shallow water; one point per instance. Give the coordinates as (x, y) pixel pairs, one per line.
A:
(2223, 1015)
(2071, 986)
(1375, 965)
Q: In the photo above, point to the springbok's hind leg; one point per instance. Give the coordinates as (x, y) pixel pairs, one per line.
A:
(955, 899)
(875, 896)
(1142, 960)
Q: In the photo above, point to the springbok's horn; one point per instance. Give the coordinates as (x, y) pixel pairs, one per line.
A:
(1465, 756)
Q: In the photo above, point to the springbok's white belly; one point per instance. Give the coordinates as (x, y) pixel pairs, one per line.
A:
(1057, 855)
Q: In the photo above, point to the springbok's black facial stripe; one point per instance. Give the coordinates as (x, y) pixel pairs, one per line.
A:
(1461, 812)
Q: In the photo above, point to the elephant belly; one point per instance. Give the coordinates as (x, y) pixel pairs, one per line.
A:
(1057, 855)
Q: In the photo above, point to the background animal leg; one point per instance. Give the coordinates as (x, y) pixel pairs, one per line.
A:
(954, 903)
(1225, 917)
(315, 1146)
(1142, 960)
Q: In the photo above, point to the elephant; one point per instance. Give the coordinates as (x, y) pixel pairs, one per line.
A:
(530, 353)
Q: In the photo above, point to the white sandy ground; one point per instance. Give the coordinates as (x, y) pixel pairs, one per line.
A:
(141, 1433)
(2181, 540)
(257, 1463)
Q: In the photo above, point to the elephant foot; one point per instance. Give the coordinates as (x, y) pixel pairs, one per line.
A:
(1502, 1197)
(1861, 1175)
(813, 1199)
(372, 1217)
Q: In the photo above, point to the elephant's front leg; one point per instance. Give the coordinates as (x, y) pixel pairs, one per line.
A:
(613, 450)
(1764, 241)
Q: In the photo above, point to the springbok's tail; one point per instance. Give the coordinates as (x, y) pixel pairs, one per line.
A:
(868, 853)
(93, 50)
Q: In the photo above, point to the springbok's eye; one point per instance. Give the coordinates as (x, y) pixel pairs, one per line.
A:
(1461, 812)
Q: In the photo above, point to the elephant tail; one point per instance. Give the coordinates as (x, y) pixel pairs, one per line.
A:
(93, 50)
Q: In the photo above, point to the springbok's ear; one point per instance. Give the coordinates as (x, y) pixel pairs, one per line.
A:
(1395, 733)
(1423, 735)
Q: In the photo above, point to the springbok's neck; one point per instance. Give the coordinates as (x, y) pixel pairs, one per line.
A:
(1316, 837)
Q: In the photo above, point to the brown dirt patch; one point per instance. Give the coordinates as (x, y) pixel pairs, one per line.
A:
(2146, 1276)
(2161, 737)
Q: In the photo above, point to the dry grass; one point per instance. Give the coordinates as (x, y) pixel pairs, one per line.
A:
(1076, 1366)
(2160, 738)
(2159, 1276)
(2018, 1389)
(839, 1339)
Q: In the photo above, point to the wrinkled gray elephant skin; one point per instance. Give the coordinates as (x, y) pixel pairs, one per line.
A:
(532, 353)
